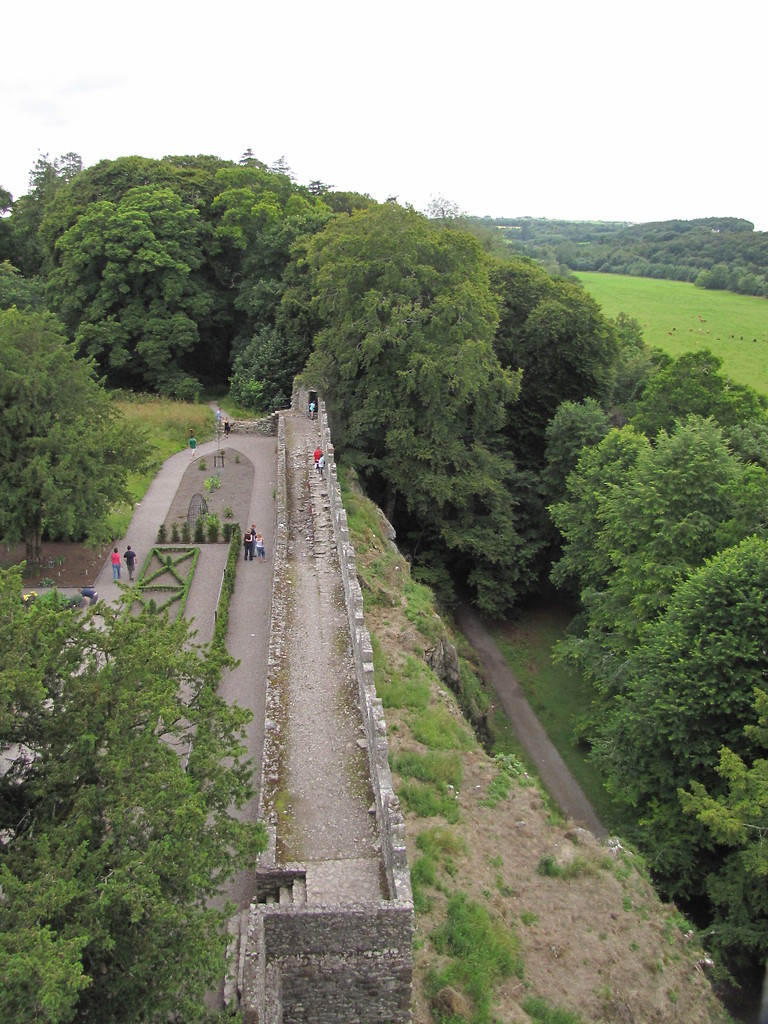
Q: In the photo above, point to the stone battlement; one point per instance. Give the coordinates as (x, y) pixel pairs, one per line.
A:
(329, 936)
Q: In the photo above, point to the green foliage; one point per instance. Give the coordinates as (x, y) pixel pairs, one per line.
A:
(440, 769)
(165, 577)
(199, 531)
(227, 590)
(509, 771)
(428, 802)
(438, 729)
(262, 375)
(212, 528)
(406, 362)
(119, 843)
(540, 1012)
(576, 868)
(64, 447)
(122, 282)
(690, 691)
(162, 533)
(212, 483)
(680, 502)
(692, 384)
(483, 952)
(175, 537)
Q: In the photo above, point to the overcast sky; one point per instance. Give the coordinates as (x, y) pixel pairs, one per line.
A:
(591, 110)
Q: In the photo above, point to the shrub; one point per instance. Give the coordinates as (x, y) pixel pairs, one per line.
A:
(186, 533)
(199, 532)
(212, 528)
(162, 534)
(174, 533)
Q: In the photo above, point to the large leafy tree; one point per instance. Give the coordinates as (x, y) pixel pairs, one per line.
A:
(123, 286)
(632, 539)
(555, 333)
(735, 814)
(406, 361)
(116, 816)
(65, 450)
(258, 216)
(693, 383)
(690, 690)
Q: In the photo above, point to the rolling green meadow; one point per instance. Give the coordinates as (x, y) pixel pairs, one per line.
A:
(679, 317)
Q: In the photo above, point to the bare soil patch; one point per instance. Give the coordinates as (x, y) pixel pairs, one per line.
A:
(64, 563)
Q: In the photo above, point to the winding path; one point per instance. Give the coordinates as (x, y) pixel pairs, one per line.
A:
(554, 772)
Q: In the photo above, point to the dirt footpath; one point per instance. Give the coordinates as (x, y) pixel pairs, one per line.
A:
(555, 774)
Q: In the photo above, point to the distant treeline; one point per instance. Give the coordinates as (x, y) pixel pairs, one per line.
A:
(723, 253)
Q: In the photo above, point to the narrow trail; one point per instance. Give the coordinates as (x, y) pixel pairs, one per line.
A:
(554, 772)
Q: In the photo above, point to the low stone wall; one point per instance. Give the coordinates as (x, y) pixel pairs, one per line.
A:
(266, 427)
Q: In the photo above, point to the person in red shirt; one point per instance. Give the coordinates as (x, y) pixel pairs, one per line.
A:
(115, 564)
(318, 455)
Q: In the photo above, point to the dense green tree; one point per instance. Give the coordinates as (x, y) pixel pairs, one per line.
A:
(693, 383)
(736, 820)
(632, 543)
(46, 180)
(117, 825)
(419, 401)
(259, 216)
(689, 690)
(65, 449)
(262, 375)
(575, 426)
(23, 292)
(555, 333)
(123, 286)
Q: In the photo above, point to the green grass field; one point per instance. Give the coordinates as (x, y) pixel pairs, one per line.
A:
(679, 317)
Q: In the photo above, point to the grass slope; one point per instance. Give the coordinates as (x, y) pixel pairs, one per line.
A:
(679, 317)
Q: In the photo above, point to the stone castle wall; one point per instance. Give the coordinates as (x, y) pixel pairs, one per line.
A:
(329, 964)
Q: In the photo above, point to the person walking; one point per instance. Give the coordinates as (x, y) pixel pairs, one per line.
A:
(321, 465)
(115, 556)
(131, 558)
(312, 410)
(316, 456)
(253, 540)
(247, 541)
(192, 445)
(226, 427)
(130, 561)
(261, 553)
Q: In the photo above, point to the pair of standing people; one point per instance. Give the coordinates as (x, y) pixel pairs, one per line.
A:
(130, 561)
(319, 461)
(253, 544)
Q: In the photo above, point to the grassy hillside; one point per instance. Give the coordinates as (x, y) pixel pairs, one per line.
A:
(679, 317)
(519, 917)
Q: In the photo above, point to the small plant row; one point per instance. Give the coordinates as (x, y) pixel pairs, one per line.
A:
(221, 628)
(207, 529)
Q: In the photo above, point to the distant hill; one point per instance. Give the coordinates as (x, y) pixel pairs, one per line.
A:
(723, 253)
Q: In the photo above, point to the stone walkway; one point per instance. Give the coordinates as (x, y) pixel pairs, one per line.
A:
(325, 822)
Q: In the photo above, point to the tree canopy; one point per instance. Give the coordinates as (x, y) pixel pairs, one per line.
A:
(115, 815)
(65, 450)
